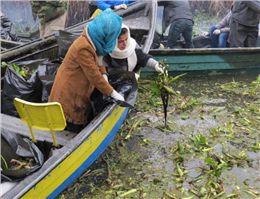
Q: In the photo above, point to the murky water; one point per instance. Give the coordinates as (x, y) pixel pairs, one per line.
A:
(209, 149)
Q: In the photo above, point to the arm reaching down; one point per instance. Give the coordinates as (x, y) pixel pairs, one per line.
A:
(117, 96)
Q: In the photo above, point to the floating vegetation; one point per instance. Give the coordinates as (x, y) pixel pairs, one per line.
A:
(162, 87)
(211, 148)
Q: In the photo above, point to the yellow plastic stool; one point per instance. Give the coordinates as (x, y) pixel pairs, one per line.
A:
(42, 116)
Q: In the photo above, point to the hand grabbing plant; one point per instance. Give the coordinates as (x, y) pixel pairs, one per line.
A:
(162, 86)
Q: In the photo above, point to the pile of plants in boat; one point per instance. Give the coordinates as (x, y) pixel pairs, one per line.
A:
(21, 163)
(24, 71)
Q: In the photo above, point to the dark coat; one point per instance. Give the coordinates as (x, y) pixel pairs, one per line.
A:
(244, 24)
(113, 65)
(76, 79)
(246, 13)
(175, 10)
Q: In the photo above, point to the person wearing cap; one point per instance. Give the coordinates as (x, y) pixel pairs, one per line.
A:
(128, 56)
(82, 70)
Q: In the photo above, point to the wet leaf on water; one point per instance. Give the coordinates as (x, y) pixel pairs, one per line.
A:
(127, 193)
(156, 180)
(147, 141)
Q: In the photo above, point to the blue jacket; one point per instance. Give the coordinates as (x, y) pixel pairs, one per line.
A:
(102, 5)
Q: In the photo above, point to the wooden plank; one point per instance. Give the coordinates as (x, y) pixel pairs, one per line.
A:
(17, 126)
(11, 43)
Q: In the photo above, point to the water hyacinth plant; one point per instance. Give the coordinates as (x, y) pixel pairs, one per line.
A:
(161, 87)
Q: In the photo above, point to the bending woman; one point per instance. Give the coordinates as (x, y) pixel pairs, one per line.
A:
(128, 56)
(82, 69)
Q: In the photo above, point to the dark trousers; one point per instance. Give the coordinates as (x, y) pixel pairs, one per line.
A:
(242, 36)
(218, 41)
(74, 127)
(180, 26)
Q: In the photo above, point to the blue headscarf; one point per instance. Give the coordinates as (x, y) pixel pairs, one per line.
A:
(104, 30)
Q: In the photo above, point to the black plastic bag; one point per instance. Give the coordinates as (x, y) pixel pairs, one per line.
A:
(13, 146)
(124, 82)
(201, 41)
(8, 31)
(65, 40)
(16, 86)
(47, 74)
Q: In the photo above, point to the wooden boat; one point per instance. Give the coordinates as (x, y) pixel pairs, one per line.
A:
(207, 61)
(5, 44)
(24, 38)
(79, 151)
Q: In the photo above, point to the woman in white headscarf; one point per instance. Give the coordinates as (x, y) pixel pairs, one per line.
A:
(128, 56)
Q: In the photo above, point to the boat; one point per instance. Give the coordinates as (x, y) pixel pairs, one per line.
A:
(203, 60)
(6, 44)
(206, 61)
(24, 37)
(77, 151)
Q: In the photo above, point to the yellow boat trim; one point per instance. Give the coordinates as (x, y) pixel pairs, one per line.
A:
(69, 165)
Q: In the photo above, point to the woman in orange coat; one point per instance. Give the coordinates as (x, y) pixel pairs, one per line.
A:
(82, 70)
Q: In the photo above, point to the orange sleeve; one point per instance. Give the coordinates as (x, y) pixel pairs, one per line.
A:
(92, 71)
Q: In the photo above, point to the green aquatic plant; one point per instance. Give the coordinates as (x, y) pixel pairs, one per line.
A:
(162, 86)
(5, 164)
(24, 71)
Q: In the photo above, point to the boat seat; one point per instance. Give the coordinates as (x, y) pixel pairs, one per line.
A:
(41, 116)
(16, 125)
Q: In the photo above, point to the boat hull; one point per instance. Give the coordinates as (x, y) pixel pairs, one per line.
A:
(73, 160)
(207, 61)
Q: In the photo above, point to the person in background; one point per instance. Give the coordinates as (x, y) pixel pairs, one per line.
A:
(219, 33)
(127, 56)
(178, 14)
(82, 70)
(114, 5)
(52, 16)
(92, 6)
(244, 24)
